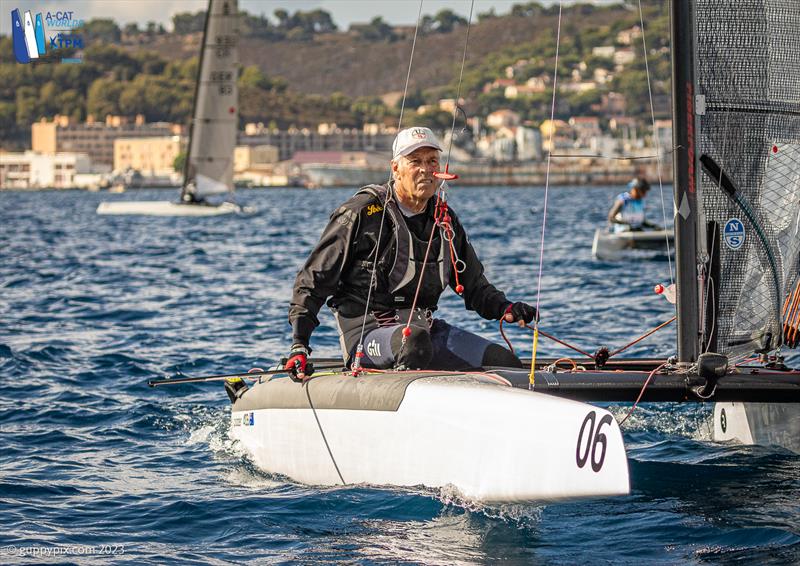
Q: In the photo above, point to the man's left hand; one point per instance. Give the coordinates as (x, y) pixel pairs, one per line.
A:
(297, 364)
(520, 312)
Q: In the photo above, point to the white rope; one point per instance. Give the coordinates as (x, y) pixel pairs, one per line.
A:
(657, 144)
(458, 90)
(547, 174)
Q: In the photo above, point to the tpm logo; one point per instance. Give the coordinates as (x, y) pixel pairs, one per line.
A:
(30, 41)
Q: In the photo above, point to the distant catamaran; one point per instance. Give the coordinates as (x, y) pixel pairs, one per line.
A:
(209, 167)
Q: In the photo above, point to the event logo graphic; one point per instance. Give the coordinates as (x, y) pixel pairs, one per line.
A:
(30, 41)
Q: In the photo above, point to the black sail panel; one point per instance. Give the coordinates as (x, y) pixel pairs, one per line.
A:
(748, 107)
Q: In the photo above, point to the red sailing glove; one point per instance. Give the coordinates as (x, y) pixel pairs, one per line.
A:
(517, 312)
(298, 358)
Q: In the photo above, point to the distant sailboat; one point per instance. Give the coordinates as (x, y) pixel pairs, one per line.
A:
(209, 167)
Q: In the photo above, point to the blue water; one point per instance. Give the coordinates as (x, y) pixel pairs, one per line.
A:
(92, 306)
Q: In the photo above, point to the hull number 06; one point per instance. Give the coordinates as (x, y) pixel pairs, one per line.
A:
(592, 443)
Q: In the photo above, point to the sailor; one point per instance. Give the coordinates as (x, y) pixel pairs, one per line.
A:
(627, 213)
(396, 222)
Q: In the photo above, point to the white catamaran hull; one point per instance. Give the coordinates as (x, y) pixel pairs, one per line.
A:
(166, 208)
(492, 442)
(776, 424)
(608, 245)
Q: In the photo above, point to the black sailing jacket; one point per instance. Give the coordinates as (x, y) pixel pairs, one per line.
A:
(339, 266)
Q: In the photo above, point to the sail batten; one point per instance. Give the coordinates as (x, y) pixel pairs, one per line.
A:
(748, 71)
(216, 106)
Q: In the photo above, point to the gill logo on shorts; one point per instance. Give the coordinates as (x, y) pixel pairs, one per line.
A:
(374, 349)
(373, 208)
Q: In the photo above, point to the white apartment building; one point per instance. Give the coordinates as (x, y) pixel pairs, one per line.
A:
(33, 170)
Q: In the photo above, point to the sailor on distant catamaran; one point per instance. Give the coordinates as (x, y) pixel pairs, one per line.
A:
(403, 224)
(627, 213)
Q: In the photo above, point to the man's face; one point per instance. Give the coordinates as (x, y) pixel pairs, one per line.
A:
(413, 174)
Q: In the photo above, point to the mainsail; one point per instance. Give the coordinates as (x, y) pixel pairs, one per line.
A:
(212, 140)
(747, 136)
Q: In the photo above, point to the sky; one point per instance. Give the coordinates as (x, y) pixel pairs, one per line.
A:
(344, 12)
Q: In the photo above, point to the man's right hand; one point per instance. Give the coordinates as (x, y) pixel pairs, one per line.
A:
(298, 359)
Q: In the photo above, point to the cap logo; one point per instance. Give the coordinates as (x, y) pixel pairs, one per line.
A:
(418, 134)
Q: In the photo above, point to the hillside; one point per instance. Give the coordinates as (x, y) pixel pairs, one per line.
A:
(345, 78)
(343, 63)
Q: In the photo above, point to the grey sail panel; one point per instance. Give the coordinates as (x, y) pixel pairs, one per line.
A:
(748, 118)
(215, 121)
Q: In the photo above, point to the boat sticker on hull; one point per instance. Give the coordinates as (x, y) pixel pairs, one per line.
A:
(245, 419)
(588, 451)
(734, 235)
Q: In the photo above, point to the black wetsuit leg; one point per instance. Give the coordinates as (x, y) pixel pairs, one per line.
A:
(445, 347)
(457, 349)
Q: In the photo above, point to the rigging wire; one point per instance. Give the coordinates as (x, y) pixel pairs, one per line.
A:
(441, 217)
(641, 393)
(531, 376)
(458, 90)
(356, 363)
(587, 354)
(305, 386)
(657, 145)
(655, 156)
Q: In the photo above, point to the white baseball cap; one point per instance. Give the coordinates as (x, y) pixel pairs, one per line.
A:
(411, 139)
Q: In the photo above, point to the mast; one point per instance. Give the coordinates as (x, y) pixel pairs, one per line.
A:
(186, 179)
(684, 174)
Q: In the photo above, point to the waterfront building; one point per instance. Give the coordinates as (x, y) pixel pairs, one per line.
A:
(246, 157)
(529, 144)
(96, 139)
(151, 156)
(293, 140)
(586, 129)
(556, 135)
(34, 170)
(503, 118)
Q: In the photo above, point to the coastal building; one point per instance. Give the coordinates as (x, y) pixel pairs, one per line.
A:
(556, 134)
(151, 156)
(624, 57)
(529, 144)
(293, 140)
(96, 139)
(586, 129)
(627, 36)
(34, 170)
(247, 157)
(503, 118)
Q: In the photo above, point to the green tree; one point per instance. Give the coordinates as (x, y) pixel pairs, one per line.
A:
(131, 28)
(103, 98)
(104, 30)
(446, 21)
(376, 30)
(8, 117)
(185, 22)
(179, 162)
(72, 104)
(27, 106)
